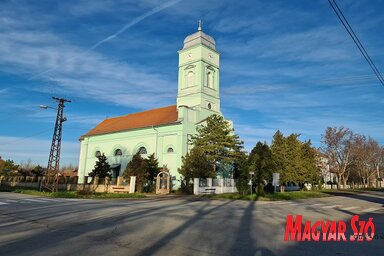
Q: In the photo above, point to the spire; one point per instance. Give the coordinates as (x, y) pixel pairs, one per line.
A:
(199, 37)
(199, 28)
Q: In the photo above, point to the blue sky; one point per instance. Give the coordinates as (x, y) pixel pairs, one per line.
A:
(287, 65)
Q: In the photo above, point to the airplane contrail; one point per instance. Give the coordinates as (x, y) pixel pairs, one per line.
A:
(127, 26)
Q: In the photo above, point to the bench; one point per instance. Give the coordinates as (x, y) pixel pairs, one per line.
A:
(209, 191)
(119, 190)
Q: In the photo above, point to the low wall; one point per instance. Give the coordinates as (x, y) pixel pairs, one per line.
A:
(34, 182)
(214, 186)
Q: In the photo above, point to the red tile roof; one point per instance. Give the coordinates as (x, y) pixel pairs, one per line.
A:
(148, 118)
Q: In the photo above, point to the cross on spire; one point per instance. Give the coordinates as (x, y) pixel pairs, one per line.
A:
(199, 28)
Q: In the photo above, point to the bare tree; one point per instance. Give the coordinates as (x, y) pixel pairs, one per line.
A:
(338, 144)
(367, 154)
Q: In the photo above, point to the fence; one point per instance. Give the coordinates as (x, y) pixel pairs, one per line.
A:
(68, 184)
(213, 186)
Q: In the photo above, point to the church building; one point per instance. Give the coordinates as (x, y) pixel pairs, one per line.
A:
(164, 131)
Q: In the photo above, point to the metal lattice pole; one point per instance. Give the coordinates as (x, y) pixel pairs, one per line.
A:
(52, 175)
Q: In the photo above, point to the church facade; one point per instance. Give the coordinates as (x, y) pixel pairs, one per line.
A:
(163, 131)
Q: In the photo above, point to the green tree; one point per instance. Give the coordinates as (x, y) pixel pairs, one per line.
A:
(296, 161)
(279, 156)
(241, 173)
(8, 165)
(145, 171)
(260, 162)
(195, 165)
(38, 171)
(310, 166)
(218, 141)
(152, 166)
(102, 168)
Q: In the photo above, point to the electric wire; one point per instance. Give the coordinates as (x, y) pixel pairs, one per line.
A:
(355, 39)
(26, 137)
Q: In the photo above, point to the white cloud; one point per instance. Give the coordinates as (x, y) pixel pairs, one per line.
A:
(88, 75)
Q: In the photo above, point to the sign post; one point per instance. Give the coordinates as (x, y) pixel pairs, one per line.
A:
(275, 180)
(250, 181)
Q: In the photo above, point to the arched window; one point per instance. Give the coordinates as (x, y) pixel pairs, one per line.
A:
(170, 150)
(118, 152)
(142, 151)
(190, 79)
(97, 153)
(210, 80)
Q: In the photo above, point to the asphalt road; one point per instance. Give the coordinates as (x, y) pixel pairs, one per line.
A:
(172, 225)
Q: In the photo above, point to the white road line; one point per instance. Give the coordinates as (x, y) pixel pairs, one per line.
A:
(281, 202)
(316, 205)
(349, 208)
(285, 203)
(371, 209)
(35, 200)
(331, 206)
(1, 203)
(50, 200)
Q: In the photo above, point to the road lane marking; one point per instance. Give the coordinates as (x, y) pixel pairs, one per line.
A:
(371, 209)
(11, 201)
(349, 208)
(35, 200)
(50, 200)
(316, 205)
(1, 203)
(331, 206)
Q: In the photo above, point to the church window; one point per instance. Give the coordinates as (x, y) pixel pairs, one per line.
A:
(97, 153)
(170, 150)
(142, 151)
(118, 152)
(190, 79)
(210, 80)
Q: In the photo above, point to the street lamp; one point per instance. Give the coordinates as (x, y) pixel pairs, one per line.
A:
(45, 107)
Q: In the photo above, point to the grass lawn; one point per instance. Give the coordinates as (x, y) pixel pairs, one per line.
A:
(273, 197)
(71, 194)
(293, 195)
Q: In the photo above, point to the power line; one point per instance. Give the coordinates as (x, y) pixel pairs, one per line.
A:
(23, 138)
(355, 39)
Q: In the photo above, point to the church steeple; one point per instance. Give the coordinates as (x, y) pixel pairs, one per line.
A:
(198, 83)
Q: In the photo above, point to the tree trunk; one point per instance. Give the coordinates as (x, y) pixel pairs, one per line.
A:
(214, 167)
(338, 180)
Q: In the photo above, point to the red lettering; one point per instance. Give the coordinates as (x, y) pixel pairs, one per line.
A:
(324, 229)
(307, 232)
(315, 231)
(370, 226)
(341, 228)
(354, 228)
(332, 232)
(291, 229)
(361, 237)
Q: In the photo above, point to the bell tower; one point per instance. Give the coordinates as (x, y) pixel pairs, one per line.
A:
(198, 79)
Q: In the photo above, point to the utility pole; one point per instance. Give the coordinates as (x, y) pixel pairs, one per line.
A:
(52, 175)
